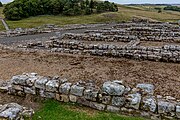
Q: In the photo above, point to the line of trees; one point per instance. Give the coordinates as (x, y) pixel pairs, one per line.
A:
(173, 8)
(19, 9)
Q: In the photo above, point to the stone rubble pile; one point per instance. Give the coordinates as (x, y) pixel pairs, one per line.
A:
(14, 111)
(113, 96)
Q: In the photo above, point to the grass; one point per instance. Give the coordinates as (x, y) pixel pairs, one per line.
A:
(53, 110)
(125, 13)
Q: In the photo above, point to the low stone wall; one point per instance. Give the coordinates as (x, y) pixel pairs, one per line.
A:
(113, 96)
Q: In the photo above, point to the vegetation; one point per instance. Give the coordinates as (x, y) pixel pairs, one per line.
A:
(53, 110)
(19, 9)
(1, 5)
(173, 8)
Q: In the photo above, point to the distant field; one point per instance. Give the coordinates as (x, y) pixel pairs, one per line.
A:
(125, 14)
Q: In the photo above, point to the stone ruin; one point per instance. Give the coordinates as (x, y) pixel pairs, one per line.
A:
(113, 96)
(122, 40)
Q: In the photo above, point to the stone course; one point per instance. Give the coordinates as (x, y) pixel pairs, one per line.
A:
(113, 96)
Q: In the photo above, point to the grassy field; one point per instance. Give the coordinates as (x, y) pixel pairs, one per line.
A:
(125, 13)
(53, 110)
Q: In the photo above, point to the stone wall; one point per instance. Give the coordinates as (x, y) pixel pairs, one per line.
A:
(113, 96)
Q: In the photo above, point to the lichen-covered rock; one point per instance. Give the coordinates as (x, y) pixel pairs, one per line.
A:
(118, 101)
(165, 107)
(148, 88)
(40, 83)
(134, 100)
(113, 88)
(52, 85)
(112, 108)
(77, 90)
(65, 88)
(149, 103)
(97, 106)
(91, 94)
(19, 79)
(178, 111)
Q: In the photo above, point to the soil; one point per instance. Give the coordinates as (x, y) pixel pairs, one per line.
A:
(165, 76)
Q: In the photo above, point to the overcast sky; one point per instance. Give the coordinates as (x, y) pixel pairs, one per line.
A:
(132, 1)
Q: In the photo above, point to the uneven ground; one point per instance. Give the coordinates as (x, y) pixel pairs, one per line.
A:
(165, 76)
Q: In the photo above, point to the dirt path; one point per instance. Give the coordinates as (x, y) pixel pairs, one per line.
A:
(165, 76)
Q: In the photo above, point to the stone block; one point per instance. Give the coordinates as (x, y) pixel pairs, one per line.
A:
(17, 87)
(106, 99)
(91, 94)
(77, 90)
(63, 98)
(148, 88)
(112, 108)
(118, 101)
(19, 79)
(47, 94)
(30, 90)
(83, 101)
(65, 88)
(52, 85)
(40, 83)
(113, 88)
(73, 98)
(149, 103)
(178, 111)
(97, 106)
(134, 100)
(165, 107)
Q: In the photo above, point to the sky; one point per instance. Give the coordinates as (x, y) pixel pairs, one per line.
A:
(132, 1)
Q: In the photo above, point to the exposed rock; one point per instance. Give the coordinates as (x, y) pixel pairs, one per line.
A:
(134, 100)
(91, 94)
(19, 79)
(165, 107)
(40, 83)
(149, 103)
(105, 99)
(149, 88)
(97, 106)
(47, 94)
(65, 88)
(30, 90)
(178, 111)
(118, 101)
(52, 85)
(77, 90)
(73, 98)
(112, 108)
(113, 88)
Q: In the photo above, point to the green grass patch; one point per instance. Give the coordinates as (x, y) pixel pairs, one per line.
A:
(53, 110)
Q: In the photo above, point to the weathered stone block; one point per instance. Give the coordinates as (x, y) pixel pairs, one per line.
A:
(40, 83)
(77, 90)
(31, 80)
(91, 94)
(19, 79)
(113, 88)
(165, 107)
(65, 88)
(30, 90)
(112, 108)
(106, 99)
(47, 94)
(149, 103)
(83, 101)
(134, 100)
(118, 101)
(73, 98)
(178, 111)
(63, 98)
(148, 88)
(17, 87)
(52, 85)
(97, 106)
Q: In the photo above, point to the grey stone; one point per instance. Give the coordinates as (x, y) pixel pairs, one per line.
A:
(31, 80)
(134, 100)
(65, 88)
(149, 103)
(149, 88)
(105, 99)
(30, 90)
(112, 108)
(178, 111)
(165, 107)
(17, 87)
(19, 79)
(91, 94)
(47, 94)
(77, 90)
(97, 106)
(118, 101)
(113, 88)
(40, 83)
(73, 98)
(52, 85)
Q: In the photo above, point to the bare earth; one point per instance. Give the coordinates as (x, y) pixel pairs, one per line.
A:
(165, 76)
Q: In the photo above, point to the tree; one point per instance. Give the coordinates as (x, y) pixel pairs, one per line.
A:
(1, 5)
